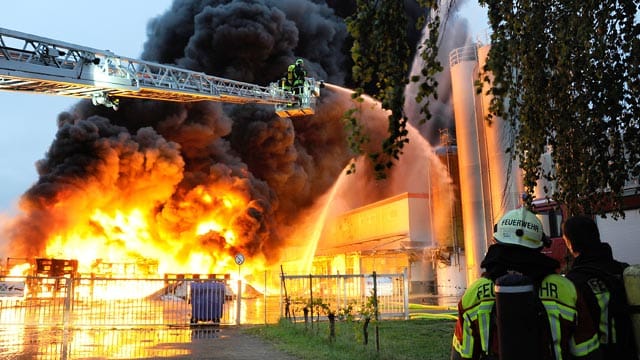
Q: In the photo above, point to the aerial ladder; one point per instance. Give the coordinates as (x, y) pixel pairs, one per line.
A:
(30, 63)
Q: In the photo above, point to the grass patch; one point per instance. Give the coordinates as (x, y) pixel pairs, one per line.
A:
(398, 339)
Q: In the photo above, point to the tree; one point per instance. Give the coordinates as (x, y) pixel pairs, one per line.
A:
(381, 56)
(567, 78)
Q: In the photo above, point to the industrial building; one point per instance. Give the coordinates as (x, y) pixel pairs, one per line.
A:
(443, 248)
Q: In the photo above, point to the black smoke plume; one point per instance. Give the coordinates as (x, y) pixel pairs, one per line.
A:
(281, 165)
(163, 154)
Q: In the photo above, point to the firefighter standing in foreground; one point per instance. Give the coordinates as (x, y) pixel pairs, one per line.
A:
(568, 331)
(598, 276)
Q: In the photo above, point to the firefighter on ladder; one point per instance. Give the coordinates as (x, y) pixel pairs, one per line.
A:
(295, 75)
(294, 79)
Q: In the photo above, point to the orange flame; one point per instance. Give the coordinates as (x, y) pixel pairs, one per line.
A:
(198, 233)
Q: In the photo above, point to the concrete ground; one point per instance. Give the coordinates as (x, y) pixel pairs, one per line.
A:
(198, 342)
(232, 343)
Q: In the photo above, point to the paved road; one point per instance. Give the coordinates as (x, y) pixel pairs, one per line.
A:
(232, 343)
(202, 342)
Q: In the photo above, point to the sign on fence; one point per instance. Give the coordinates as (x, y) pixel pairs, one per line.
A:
(384, 285)
(11, 288)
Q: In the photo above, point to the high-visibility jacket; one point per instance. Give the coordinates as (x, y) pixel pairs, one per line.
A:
(572, 332)
(291, 74)
(296, 75)
(598, 276)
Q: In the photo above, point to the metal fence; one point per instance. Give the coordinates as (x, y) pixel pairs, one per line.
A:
(108, 302)
(342, 294)
(101, 302)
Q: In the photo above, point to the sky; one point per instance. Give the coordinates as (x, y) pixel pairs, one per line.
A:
(29, 120)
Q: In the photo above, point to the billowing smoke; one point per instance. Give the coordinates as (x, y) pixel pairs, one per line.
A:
(178, 163)
(250, 41)
(165, 157)
(89, 159)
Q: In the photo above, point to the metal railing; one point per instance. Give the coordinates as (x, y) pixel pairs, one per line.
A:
(31, 63)
(102, 302)
(465, 53)
(344, 293)
(109, 302)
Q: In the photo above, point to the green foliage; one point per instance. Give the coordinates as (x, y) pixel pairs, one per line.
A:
(380, 53)
(399, 339)
(347, 313)
(321, 307)
(381, 57)
(368, 308)
(357, 136)
(566, 78)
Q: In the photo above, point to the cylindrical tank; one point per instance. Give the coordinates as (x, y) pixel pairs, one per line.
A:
(505, 176)
(468, 125)
(449, 263)
(450, 280)
(446, 201)
(421, 275)
(631, 277)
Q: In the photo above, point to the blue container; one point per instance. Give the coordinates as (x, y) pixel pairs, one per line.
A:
(207, 299)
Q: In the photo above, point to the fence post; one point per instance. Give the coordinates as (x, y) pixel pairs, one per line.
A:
(281, 292)
(339, 300)
(405, 282)
(375, 309)
(344, 290)
(238, 302)
(311, 297)
(66, 318)
(287, 303)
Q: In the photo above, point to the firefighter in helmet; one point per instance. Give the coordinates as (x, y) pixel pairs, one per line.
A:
(295, 75)
(566, 328)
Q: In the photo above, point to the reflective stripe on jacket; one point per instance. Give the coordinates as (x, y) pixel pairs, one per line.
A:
(598, 277)
(572, 334)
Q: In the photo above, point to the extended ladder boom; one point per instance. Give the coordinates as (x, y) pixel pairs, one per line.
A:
(31, 63)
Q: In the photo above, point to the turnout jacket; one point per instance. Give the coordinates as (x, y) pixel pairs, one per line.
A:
(571, 334)
(598, 276)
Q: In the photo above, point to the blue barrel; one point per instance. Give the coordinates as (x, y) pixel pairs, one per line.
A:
(207, 300)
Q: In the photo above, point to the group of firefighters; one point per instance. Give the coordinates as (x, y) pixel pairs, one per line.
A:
(521, 308)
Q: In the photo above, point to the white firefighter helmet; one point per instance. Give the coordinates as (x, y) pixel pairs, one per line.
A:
(520, 227)
(299, 61)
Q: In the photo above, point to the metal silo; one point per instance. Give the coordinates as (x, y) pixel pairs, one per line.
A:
(505, 177)
(446, 198)
(449, 260)
(471, 156)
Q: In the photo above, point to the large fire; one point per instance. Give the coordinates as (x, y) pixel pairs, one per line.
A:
(211, 227)
(147, 207)
(189, 186)
(126, 211)
(106, 196)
